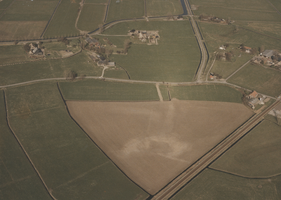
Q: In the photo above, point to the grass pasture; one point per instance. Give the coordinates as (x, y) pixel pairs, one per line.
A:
(21, 30)
(18, 179)
(12, 54)
(163, 7)
(206, 93)
(97, 90)
(30, 11)
(63, 22)
(58, 68)
(175, 58)
(255, 77)
(214, 185)
(258, 154)
(125, 9)
(237, 10)
(69, 162)
(5, 4)
(225, 68)
(91, 17)
(116, 73)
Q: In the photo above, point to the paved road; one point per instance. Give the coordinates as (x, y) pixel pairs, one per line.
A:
(208, 158)
(200, 42)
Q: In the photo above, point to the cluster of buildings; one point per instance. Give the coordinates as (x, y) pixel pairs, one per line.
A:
(145, 36)
(213, 19)
(268, 57)
(100, 60)
(35, 50)
(255, 99)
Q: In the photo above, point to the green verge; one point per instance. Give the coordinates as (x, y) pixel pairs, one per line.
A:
(68, 161)
(30, 11)
(18, 179)
(164, 92)
(164, 8)
(12, 54)
(125, 9)
(63, 22)
(91, 17)
(206, 93)
(116, 73)
(96, 1)
(214, 185)
(58, 68)
(175, 58)
(97, 90)
(258, 154)
(256, 77)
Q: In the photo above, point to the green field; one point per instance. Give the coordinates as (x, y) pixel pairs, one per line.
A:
(30, 11)
(206, 93)
(175, 58)
(237, 10)
(5, 4)
(258, 154)
(256, 77)
(214, 185)
(58, 68)
(116, 73)
(97, 90)
(12, 54)
(68, 161)
(276, 4)
(91, 17)
(18, 179)
(125, 9)
(216, 35)
(163, 7)
(63, 22)
(226, 68)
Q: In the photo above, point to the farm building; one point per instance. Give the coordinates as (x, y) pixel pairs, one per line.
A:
(268, 53)
(144, 36)
(247, 49)
(253, 95)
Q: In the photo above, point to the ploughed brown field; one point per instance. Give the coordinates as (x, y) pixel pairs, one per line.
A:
(152, 142)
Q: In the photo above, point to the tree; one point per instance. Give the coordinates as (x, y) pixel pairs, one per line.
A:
(127, 45)
(261, 48)
(71, 75)
(26, 47)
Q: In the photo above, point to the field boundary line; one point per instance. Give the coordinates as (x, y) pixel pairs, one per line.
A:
(237, 70)
(66, 107)
(26, 154)
(211, 67)
(159, 92)
(242, 176)
(274, 7)
(4, 12)
(106, 11)
(50, 19)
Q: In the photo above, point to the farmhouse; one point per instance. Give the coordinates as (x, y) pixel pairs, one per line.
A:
(35, 50)
(254, 94)
(247, 49)
(92, 42)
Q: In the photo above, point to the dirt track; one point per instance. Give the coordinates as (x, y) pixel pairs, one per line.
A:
(152, 142)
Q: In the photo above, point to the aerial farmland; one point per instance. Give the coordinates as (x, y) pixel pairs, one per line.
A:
(140, 99)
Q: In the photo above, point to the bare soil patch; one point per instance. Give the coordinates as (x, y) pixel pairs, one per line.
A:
(152, 142)
(20, 30)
